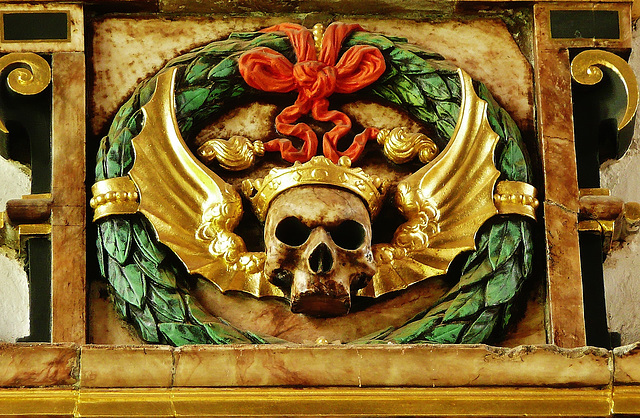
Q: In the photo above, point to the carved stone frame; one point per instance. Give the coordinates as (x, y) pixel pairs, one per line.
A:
(71, 378)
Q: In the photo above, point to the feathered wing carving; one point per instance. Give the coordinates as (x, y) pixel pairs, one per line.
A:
(194, 211)
(445, 203)
(191, 208)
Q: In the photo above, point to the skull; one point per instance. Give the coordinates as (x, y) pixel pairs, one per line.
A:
(318, 245)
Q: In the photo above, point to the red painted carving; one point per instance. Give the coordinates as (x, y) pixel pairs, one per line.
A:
(315, 78)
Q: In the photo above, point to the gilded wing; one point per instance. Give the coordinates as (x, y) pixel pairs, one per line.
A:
(445, 203)
(191, 208)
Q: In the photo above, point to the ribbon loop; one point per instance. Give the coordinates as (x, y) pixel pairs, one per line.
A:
(315, 79)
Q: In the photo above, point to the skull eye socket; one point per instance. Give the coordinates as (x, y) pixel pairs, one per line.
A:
(349, 235)
(292, 231)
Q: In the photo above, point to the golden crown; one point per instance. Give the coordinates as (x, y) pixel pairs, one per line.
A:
(319, 171)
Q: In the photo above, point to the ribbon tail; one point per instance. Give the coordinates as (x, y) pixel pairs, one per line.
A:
(284, 125)
(342, 127)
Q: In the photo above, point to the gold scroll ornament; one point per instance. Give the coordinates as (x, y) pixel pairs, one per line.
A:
(194, 212)
(32, 75)
(585, 70)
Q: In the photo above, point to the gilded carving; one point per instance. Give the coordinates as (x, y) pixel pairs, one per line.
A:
(319, 202)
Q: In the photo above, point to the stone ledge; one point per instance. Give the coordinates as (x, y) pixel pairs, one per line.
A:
(104, 366)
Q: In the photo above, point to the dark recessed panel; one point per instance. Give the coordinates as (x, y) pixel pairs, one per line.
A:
(585, 24)
(35, 26)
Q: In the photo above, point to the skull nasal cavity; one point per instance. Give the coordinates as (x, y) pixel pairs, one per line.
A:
(320, 260)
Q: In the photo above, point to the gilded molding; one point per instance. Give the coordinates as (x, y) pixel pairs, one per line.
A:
(516, 197)
(349, 401)
(115, 196)
(585, 70)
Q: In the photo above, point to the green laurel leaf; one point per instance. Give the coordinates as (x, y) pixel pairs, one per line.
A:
(116, 237)
(128, 281)
(433, 86)
(145, 323)
(158, 275)
(446, 333)
(412, 331)
(482, 328)
(466, 304)
(504, 239)
(190, 100)
(504, 284)
(179, 334)
(167, 304)
(513, 163)
(225, 334)
(142, 235)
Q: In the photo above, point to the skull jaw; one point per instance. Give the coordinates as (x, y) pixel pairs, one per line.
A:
(320, 305)
(320, 295)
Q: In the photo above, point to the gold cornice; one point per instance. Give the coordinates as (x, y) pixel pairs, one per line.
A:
(343, 402)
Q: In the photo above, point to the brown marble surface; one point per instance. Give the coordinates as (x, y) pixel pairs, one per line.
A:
(126, 51)
(26, 365)
(34, 365)
(113, 366)
(557, 148)
(627, 364)
(274, 317)
(68, 215)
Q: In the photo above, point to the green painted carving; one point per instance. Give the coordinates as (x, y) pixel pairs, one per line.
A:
(150, 286)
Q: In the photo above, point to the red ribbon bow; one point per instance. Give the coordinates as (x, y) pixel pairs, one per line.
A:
(315, 79)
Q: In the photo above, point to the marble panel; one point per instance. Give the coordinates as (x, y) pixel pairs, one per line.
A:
(382, 7)
(104, 324)
(68, 235)
(627, 364)
(68, 284)
(34, 365)
(129, 50)
(266, 366)
(75, 40)
(483, 366)
(391, 365)
(274, 317)
(113, 366)
(564, 279)
(553, 94)
(560, 173)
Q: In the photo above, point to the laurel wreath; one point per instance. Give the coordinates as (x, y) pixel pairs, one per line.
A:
(150, 286)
